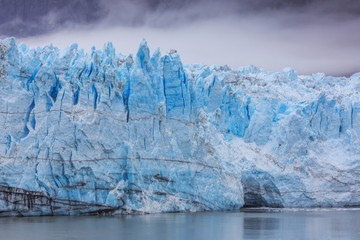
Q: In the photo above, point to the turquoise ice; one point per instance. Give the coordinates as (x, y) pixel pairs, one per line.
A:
(104, 133)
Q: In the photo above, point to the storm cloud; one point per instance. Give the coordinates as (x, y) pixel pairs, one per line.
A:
(308, 35)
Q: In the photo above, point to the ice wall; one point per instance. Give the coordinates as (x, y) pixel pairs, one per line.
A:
(103, 133)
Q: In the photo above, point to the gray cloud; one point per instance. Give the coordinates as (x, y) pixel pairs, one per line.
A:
(309, 35)
(26, 18)
(30, 18)
(170, 13)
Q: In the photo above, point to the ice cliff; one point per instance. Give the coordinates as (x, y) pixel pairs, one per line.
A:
(104, 133)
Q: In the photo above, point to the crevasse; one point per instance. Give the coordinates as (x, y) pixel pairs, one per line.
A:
(104, 133)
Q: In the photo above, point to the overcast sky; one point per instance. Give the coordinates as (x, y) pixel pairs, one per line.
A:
(308, 35)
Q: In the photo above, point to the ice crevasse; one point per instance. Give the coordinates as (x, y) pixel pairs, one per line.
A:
(104, 133)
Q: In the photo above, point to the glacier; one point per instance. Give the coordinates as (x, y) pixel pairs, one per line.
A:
(105, 133)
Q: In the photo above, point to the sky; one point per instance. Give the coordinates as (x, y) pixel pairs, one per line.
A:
(308, 35)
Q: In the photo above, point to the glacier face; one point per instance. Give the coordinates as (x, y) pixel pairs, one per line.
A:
(104, 133)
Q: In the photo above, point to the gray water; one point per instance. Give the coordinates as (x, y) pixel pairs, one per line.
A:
(246, 224)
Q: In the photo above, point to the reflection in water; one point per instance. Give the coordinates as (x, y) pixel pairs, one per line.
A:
(260, 227)
(331, 224)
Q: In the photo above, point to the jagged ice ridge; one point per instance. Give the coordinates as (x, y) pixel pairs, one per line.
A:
(104, 133)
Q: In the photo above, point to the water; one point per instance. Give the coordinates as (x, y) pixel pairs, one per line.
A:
(254, 224)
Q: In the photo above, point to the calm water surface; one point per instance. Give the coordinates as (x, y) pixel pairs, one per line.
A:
(254, 224)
